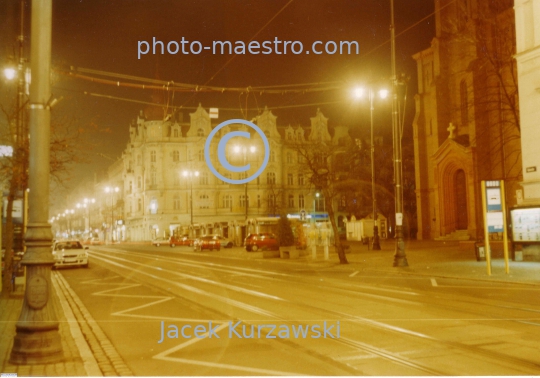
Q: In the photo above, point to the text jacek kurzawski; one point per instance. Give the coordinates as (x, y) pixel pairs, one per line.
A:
(240, 330)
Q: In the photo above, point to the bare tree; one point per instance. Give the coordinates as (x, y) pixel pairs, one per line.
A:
(319, 163)
(66, 136)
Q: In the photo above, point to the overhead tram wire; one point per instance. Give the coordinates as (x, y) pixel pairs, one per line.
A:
(194, 108)
(177, 87)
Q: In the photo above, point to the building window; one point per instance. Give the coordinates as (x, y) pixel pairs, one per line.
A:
(153, 178)
(200, 132)
(176, 180)
(139, 204)
(176, 156)
(203, 178)
(301, 203)
(301, 179)
(204, 201)
(139, 182)
(270, 178)
(153, 206)
(139, 160)
(130, 187)
(258, 200)
(300, 159)
(271, 201)
(176, 202)
(175, 133)
(201, 155)
(289, 135)
(227, 202)
(289, 158)
(290, 180)
(244, 201)
(319, 203)
(152, 156)
(291, 200)
(272, 156)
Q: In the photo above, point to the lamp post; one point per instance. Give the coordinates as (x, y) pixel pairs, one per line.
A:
(190, 174)
(383, 93)
(87, 202)
(68, 214)
(400, 258)
(37, 340)
(244, 150)
(112, 191)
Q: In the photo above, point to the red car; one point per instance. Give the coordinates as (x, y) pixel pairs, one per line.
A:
(175, 240)
(254, 242)
(206, 242)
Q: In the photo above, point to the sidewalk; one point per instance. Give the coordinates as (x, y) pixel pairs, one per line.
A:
(87, 350)
(72, 365)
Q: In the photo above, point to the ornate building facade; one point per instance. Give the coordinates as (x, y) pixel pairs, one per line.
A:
(168, 186)
(466, 127)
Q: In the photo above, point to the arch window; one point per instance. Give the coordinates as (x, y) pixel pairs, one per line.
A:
(270, 178)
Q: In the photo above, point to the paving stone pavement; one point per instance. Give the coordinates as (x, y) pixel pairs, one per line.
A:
(87, 351)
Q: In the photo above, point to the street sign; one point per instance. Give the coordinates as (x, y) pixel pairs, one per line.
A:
(302, 215)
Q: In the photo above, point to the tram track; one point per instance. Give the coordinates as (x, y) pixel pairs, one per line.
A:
(529, 367)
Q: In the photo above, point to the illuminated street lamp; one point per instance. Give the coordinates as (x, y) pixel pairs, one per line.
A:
(112, 191)
(191, 174)
(383, 93)
(244, 150)
(86, 203)
(10, 73)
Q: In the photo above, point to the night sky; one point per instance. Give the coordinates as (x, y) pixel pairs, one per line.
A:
(103, 35)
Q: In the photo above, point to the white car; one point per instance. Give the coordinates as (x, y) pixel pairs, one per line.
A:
(224, 242)
(160, 241)
(70, 253)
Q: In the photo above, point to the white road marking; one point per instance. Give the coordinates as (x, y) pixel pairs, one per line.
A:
(354, 274)
(434, 282)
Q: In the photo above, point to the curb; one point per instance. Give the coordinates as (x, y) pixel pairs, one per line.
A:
(108, 359)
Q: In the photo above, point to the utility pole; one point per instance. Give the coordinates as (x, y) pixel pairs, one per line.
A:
(37, 339)
(400, 259)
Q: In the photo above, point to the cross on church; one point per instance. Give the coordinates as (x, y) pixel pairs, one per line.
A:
(451, 130)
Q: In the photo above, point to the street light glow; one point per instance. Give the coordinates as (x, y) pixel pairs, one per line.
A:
(10, 73)
(358, 92)
(383, 93)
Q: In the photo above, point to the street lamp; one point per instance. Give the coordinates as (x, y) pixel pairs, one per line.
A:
(400, 258)
(112, 191)
(68, 213)
(87, 202)
(190, 174)
(383, 93)
(244, 150)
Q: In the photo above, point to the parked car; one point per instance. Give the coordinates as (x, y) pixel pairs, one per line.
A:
(70, 253)
(223, 241)
(175, 240)
(160, 241)
(264, 241)
(206, 242)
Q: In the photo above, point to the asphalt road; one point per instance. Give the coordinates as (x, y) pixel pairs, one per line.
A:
(324, 321)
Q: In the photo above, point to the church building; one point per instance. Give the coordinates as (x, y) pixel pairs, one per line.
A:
(466, 126)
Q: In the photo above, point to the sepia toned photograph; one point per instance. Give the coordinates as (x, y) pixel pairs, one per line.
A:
(269, 188)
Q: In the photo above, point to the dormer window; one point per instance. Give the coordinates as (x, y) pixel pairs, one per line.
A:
(200, 132)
